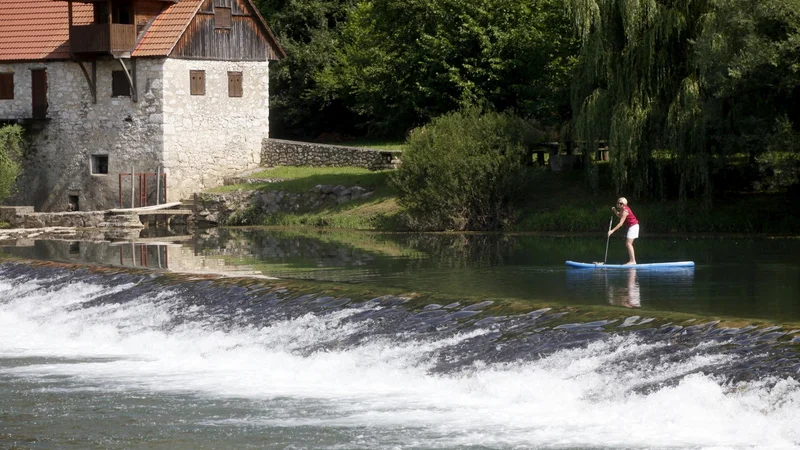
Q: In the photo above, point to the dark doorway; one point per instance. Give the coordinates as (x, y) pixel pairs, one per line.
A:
(39, 93)
(72, 203)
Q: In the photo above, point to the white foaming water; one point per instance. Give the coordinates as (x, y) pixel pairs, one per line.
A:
(573, 399)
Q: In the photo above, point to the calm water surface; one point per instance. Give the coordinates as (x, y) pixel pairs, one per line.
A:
(739, 277)
(125, 361)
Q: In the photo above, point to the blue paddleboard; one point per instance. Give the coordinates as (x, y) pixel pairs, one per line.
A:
(664, 265)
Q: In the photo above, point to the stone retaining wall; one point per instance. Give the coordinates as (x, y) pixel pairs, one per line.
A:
(219, 208)
(277, 152)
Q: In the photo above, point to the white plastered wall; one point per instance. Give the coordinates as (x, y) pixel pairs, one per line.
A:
(207, 137)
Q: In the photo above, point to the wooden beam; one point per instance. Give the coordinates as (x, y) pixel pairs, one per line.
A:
(131, 79)
(91, 79)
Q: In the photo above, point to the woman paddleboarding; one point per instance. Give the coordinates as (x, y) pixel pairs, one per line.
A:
(627, 218)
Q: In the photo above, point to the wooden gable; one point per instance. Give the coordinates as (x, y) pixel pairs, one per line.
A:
(228, 30)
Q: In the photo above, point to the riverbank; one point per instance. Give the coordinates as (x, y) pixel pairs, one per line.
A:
(556, 202)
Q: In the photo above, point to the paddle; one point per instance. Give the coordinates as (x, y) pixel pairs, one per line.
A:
(608, 238)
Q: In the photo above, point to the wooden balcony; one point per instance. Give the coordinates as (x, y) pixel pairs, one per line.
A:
(102, 38)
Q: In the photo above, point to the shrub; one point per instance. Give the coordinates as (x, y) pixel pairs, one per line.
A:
(11, 143)
(464, 171)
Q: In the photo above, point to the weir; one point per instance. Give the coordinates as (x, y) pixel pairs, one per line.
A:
(124, 357)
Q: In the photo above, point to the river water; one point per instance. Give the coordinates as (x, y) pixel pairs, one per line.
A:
(136, 359)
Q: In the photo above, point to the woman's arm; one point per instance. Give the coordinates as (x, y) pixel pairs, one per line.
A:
(622, 217)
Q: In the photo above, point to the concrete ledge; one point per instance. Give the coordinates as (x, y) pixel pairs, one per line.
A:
(25, 217)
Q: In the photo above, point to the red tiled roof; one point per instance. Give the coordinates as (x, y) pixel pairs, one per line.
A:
(38, 29)
(166, 29)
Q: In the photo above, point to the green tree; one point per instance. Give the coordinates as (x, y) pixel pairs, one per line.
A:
(11, 143)
(308, 30)
(680, 86)
(464, 171)
(400, 63)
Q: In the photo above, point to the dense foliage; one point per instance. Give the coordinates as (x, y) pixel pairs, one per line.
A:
(308, 30)
(464, 171)
(693, 97)
(382, 67)
(11, 143)
(680, 88)
(403, 62)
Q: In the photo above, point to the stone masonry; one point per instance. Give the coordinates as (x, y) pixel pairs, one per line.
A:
(276, 152)
(195, 139)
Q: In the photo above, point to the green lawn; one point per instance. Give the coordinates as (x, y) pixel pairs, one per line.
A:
(302, 179)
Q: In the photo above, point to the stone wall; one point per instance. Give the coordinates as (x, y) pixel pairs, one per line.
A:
(219, 208)
(207, 137)
(276, 152)
(195, 139)
(128, 133)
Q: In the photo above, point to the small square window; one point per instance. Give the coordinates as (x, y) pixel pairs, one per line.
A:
(222, 17)
(119, 84)
(234, 84)
(197, 82)
(7, 86)
(100, 164)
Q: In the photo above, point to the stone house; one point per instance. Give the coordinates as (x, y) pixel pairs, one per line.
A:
(175, 91)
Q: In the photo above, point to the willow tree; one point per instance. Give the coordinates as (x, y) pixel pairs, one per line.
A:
(673, 84)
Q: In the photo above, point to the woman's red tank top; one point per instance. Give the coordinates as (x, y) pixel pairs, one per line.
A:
(631, 219)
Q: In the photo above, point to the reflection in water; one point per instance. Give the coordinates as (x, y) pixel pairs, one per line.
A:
(742, 278)
(628, 295)
(626, 287)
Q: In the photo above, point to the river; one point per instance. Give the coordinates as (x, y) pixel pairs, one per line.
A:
(120, 358)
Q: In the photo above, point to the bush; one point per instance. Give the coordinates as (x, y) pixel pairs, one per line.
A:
(466, 170)
(10, 153)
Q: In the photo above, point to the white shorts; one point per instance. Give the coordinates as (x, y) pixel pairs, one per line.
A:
(633, 232)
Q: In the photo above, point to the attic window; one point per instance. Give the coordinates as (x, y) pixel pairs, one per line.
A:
(223, 17)
(197, 82)
(7, 86)
(119, 84)
(234, 84)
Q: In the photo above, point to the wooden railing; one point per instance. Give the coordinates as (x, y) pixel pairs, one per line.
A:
(102, 38)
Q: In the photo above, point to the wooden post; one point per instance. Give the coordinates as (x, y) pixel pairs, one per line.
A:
(69, 12)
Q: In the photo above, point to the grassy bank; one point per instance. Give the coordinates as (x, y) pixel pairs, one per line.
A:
(558, 202)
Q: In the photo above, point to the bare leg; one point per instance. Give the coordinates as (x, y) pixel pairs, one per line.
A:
(631, 253)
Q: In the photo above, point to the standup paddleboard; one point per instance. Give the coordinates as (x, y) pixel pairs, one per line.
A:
(664, 265)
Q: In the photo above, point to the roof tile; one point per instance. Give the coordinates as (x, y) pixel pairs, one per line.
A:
(37, 29)
(167, 28)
